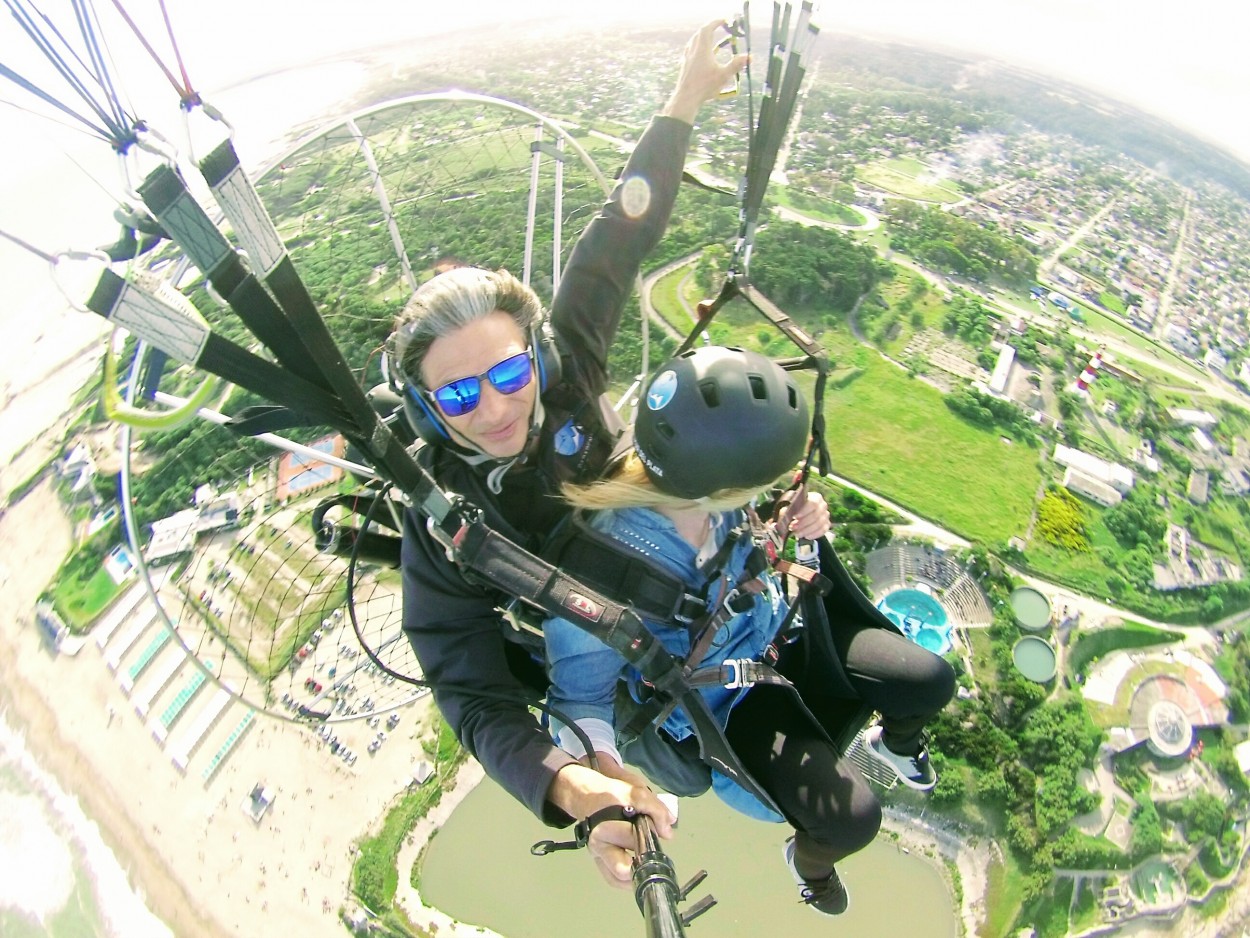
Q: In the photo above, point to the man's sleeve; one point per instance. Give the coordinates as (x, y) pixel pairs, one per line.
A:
(599, 277)
(456, 633)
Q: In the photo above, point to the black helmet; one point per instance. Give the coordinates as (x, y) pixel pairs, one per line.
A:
(719, 418)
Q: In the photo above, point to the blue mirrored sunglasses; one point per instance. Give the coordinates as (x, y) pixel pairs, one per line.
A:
(462, 395)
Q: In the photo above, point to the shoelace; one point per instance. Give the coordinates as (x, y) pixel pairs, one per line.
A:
(824, 889)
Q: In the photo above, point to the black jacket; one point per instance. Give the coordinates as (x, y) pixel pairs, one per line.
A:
(454, 626)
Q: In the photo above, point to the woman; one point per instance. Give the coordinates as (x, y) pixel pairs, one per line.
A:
(509, 401)
(718, 425)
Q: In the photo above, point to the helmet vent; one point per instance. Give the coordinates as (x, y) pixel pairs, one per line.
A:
(793, 394)
(664, 429)
(759, 391)
(711, 393)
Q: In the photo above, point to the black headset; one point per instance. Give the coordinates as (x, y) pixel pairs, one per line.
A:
(428, 423)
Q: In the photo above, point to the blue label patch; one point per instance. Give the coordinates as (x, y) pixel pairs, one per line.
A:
(569, 439)
(662, 390)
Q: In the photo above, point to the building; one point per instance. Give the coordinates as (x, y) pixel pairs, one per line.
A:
(79, 469)
(1118, 477)
(1002, 370)
(1193, 418)
(220, 514)
(1181, 339)
(1077, 482)
(1198, 488)
(172, 537)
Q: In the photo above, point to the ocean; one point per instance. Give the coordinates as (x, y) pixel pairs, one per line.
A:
(59, 879)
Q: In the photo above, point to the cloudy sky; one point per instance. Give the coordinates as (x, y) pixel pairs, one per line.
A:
(1181, 61)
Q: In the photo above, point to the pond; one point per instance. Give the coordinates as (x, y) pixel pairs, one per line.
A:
(478, 869)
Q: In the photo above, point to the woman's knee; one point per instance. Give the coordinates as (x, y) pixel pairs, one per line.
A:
(852, 827)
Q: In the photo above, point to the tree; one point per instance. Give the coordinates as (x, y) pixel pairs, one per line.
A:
(1147, 837)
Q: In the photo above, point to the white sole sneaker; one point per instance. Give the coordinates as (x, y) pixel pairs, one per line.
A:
(913, 771)
(825, 898)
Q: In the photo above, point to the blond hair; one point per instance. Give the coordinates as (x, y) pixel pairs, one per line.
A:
(629, 486)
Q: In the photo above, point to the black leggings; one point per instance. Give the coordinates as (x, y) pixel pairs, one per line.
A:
(822, 795)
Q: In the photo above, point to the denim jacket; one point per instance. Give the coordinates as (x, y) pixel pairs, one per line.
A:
(584, 672)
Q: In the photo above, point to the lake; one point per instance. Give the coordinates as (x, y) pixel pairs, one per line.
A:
(478, 869)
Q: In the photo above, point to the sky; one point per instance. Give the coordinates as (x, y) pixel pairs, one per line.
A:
(1184, 62)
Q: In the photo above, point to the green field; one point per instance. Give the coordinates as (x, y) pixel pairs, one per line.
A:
(825, 210)
(910, 179)
(895, 436)
(665, 299)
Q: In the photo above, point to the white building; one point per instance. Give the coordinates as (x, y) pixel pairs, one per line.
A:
(1118, 477)
(1215, 360)
(1182, 339)
(1193, 418)
(1078, 482)
(173, 536)
(1002, 370)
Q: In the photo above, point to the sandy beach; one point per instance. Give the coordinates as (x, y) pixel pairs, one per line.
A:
(203, 865)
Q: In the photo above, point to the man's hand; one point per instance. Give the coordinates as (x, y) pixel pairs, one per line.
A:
(702, 76)
(581, 791)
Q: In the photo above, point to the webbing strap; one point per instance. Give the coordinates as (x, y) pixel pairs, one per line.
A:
(165, 193)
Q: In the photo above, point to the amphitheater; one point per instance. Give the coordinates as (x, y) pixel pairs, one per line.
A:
(911, 566)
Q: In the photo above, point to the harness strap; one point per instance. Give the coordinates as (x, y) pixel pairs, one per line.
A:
(733, 673)
(582, 829)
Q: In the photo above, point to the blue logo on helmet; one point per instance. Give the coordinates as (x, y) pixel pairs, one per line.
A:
(662, 390)
(569, 439)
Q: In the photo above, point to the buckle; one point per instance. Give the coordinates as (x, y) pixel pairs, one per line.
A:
(741, 675)
(467, 515)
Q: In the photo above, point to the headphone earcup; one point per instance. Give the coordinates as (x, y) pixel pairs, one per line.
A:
(546, 355)
(422, 418)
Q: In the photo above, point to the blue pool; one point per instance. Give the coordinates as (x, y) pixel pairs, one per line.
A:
(921, 617)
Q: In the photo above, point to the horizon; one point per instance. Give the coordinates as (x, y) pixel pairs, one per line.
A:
(59, 189)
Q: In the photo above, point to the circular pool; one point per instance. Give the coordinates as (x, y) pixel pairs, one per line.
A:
(1031, 608)
(1035, 658)
(920, 617)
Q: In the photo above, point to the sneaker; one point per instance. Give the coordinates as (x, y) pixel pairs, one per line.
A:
(913, 771)
(827, 896)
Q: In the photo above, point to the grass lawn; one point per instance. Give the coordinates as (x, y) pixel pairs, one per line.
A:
(664, 298)
(895, 436)
(983, 660)
(910, 179)
(926, 300)
(820, 209)
(81, 602)
(1085, 914)
(1083, 570)
(1050, 915)
(1003, 895)
(1221, 527)
(1112, 302)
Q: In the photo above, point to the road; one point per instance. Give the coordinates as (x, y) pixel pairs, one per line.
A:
(1165, 295)
(648, 284)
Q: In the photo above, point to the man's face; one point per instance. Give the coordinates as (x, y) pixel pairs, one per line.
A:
(500, 423)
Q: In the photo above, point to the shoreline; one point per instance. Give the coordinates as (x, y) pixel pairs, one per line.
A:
(28, 711)
(197, 861)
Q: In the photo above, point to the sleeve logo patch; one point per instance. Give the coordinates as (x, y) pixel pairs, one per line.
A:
(569, 439)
